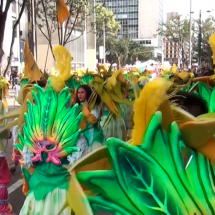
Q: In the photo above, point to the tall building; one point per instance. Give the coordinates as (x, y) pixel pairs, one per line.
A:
(139, 21)
(171, 51)
(126, 12)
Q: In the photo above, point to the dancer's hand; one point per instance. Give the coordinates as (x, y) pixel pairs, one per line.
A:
(86, 104)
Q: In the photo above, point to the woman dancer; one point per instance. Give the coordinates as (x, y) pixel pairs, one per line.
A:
(92, 136)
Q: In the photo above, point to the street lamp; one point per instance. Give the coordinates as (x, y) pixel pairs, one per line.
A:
(104, 39)
(199, 37)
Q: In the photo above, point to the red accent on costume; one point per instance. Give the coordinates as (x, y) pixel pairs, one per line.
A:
(5, 207)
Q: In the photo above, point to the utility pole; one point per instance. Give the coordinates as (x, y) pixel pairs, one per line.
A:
(190, 42)
(104, 39)
(32, 28)
(200, 37)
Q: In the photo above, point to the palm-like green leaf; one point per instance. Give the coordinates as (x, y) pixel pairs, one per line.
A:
(161, 176)
(86, 79)
(50, 122)
(72, 84)
(49, 109)
(24, 81)
(205, 92)
(212, 101)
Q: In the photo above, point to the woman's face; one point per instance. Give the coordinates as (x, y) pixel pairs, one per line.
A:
(81, 95)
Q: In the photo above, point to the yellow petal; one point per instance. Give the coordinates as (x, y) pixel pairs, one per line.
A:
(197, 133)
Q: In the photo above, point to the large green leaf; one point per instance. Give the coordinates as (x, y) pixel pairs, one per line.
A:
(212, 101)
(205, 92)
(162, 176)
(97, 180)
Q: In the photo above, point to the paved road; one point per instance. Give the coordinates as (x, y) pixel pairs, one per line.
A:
(16, 197)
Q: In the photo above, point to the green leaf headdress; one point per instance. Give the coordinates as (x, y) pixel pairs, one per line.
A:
(51, 125)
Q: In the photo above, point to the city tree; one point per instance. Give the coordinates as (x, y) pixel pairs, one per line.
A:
(105, 23)
(207, 29)
(178, 30)
(81, 16)
(61, 19)
(124, 51)
(4, 8)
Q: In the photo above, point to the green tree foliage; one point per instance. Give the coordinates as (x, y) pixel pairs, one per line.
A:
(207, 29)
(47, 20)
(81, 13)
(105, 18)
(124, 51)
(138, 51)
(178, 30)
(4, 8)
(83, 16)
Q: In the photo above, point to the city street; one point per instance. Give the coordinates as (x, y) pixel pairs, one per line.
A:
(16, 197)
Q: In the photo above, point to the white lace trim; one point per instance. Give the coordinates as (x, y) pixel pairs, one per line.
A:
(27, 156)
(81, 146)
(96, 112)
(2, 154)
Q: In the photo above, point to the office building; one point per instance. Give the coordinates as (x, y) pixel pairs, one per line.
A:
(139, 21)
(171, 51)
(126, 12)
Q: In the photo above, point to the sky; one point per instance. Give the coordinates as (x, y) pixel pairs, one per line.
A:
(183, 7)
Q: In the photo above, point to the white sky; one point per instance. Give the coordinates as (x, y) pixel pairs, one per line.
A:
(183, 7)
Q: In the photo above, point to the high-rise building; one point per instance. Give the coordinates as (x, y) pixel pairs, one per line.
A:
(126, 12)
(139, 21)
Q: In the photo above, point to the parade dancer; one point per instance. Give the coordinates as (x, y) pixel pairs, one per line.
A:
(5, 207)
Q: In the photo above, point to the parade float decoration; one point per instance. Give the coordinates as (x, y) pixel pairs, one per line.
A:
(166, 168)
(48, 136)
(165, 162)
(130, 168)
(168, 160)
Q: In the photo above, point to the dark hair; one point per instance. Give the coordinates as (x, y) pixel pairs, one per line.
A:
(88, 91)
(191, 102)
(42, 82)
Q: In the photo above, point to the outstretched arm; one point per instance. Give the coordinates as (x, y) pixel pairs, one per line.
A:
(92, 116)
